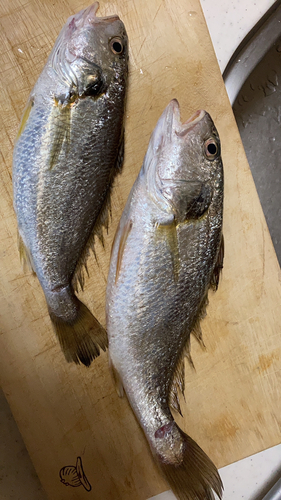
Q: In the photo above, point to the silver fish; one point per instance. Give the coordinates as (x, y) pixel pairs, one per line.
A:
(68, 150)
(168, 252)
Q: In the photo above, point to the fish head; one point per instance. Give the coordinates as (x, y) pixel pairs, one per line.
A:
(91, 53)
(183, 165)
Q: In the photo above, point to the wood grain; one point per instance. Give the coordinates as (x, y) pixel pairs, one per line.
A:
(233, 408)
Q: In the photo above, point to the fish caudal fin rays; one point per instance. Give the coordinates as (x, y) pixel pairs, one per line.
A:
(218, 267)
(81, 339)
(116, 378)
(25, 256)
(189, 471)
(102, 221)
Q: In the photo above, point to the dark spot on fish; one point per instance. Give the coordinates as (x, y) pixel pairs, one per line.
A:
(163, 431)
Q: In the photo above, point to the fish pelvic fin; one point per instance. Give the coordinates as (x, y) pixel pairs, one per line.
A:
(25, 256)
(189, 471)
(116, 378)
(82, 338)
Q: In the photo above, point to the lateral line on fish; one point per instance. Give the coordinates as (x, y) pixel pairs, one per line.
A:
(124, 236)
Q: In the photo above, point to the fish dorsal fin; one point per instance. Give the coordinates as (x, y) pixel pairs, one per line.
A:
(214, 283)
(101, 222)
(178, 384)
(25, 256)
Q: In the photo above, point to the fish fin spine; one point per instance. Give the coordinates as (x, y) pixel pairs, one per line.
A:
(25, 256)
(116, 378)
(189, 471)
(82, 338)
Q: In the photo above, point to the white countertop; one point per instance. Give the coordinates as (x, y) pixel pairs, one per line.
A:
(229, 21)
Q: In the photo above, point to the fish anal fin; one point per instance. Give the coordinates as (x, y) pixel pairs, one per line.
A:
(214, 283)
(116, 378)
(25, 256)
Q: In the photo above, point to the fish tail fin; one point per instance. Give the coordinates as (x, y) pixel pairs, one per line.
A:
(81, 338)
(189, 471)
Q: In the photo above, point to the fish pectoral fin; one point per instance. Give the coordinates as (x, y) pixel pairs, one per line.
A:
(214, 283)
(168, 231)
(25, 256)
(116, 378)
(61, 125)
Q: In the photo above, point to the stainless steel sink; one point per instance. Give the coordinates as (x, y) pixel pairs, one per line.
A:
(253, 82)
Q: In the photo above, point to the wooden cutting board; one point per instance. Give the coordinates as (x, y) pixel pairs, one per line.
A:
(233, 403)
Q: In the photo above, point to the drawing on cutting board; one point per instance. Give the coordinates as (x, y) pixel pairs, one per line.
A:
(74, 475)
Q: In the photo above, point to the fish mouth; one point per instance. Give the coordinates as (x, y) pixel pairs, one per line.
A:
(171, 122)
(190, 123)
(88, 16)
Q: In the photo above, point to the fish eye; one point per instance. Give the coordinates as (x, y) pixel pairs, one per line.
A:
(116, 45)
(211, 149)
